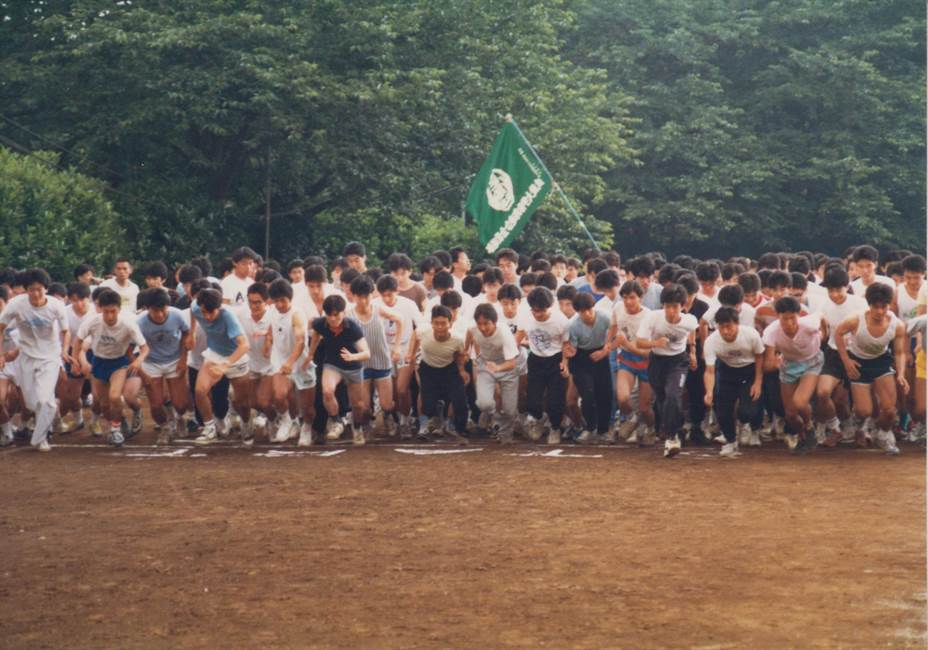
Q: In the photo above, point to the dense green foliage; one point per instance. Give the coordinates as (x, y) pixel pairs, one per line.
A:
(54, 219)
(688, 125)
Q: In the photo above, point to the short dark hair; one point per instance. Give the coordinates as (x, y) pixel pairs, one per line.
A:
(155, 270)
(260, 289)
(707, 272)
(428, 264)
(673, 294)
(35, 276)
(209, 299)
(540, 266)
(612, 259)
(398, 261)
(731, 295)
(267, 276)
(294, 264)
(493, 275)
(79, 290)
(726, 315)
(641, 266)
(280, 288)
(81, 269)
(386, 283)
(879, 294)
(540, 298)
(798, 281)
(487, 311)
(362, 286)
(189, 273)
(310, 260)
(455, 253)
(333, 304)
(155, 298)
(109, 298)
(547, 280)
(769, 261)
(203, 263)
(509, 291)
(440, 311)
(779, 279)
(472, 285)
(865, 253)
(914, 264)
(749, 282)
(451, 299)
(667, 272)
(507, 254)
(689, 284)
(444, 257)
(443, 280)
(243, 252)
(567, 292)
(348, 276)
(606, 279)
(787, 305)
(528, 279)
(732, 270)
(354, 248)
(630, 287)
(583, 301)
(315, 273)
(58, 289)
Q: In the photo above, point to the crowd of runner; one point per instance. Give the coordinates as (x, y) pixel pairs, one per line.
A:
(796, 349)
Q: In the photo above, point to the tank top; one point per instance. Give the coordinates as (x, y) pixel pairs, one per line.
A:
(256, 333)
(864, 345)
(284, 339)
(376, 338)
(908, 306)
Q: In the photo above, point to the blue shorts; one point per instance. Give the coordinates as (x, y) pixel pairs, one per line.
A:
(634, 364)
(792, 371)
(374, 373)
(102, 369)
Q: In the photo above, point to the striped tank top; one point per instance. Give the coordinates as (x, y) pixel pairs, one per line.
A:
(376, 337)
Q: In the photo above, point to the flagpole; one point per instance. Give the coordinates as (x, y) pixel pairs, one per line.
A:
(557, 187)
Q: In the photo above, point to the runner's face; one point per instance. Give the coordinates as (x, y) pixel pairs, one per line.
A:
(486, 326)
(110, 314)
(541, 315)
(672, 311)
(567, 308)
(282, 304)
(157, 315)
(315, 290)
(356, 262)
(632, 302)
(389, 298)
(588, 316)
(441, 326)
(296, 275)
(154, 282)
(508, 267)
(728, 331)
(559, 270)
(837, 295)
(879, 311)
(362, 302)
(256, 305)
(245, 267)
(789, 321)
(334, 321)
(510, 307)
(36, 293)
(122, 271)
(463, 263)
(913, 280)
(866, 269)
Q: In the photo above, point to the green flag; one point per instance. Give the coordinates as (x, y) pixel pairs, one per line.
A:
(508, 188)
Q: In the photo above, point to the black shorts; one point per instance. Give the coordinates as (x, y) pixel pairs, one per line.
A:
(872, 369)
(833, 366)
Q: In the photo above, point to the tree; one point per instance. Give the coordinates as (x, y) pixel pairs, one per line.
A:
(53, 219)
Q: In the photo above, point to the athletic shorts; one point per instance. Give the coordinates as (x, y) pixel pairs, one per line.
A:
(873, 369)
(158, 370)
(304, 379)
(102, 369)
(377, 373)
(635, 364)
(792, 371)
(833, 366)
(920, 365)
(9, 369)
(239, 369)
(355, 376)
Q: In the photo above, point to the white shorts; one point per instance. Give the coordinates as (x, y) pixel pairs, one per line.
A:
(37, 379)
(10, 370)
(158, 370)
(239, 369)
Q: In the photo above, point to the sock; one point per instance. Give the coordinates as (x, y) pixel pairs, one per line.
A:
(7, 429)
(114, 427)
(833, 423)
(172, 412)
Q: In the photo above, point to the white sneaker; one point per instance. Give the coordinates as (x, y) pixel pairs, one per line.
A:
(6, 439)
(43, 446)
(585, 437)
(486, 421)
(334, 429)
(887, 442)
(719, 439)
(208, 436)
(294, 432)
(283, 428)
(744, 434)
(730, 450)
(172, 429)
(628, 427)
(306, 435)
(221, 429)
(754, 438)
(259, 425)
(136, 421)
(554, 436)
(532, 428)
(633, 437)
(791, 440)
(357, 435)
(671, 447)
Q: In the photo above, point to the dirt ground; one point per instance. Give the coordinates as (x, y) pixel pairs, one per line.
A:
(490, 547)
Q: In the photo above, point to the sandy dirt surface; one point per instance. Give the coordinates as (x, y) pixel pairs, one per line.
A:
(371, 547)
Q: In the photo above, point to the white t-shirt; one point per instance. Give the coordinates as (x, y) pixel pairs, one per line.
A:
(256, 332)
(833, 314)
(545, 338)
(38, 327)
(628, 324)
(75, 321)
(605, 305)
(746, 314)
(111, 341)
(411, 318)
(803, 346)
(128, 293)
(859, 289)
(656, 326)
(737, 354)
(235, 289)
(496, 348)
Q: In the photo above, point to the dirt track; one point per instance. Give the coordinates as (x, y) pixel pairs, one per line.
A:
(374, 548)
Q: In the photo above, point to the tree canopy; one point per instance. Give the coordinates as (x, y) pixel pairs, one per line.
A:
(711, 127)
